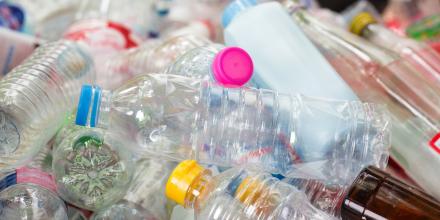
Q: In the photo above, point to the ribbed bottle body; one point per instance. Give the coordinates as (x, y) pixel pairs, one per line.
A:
(36, 96)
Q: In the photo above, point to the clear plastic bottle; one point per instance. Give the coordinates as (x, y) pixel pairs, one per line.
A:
(418, 54)
(378, 76)
(186, 55)
(238, 193)
(91, 167)
(153, 56)
(30, 194)
(180, 118)
(228, 66)
(145, 198)
(36, 96)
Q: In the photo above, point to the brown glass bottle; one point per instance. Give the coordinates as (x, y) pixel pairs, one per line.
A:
(376, 195)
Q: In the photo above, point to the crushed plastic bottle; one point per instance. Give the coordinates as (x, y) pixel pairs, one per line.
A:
(36, 96)
(90, 167)
(238, 193)
(28, 193)
(180, 118)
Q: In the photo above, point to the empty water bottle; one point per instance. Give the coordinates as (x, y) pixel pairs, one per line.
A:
(228, 66)
(30, 194)
(90, 167)
(239, 193)
(189, 56)
(36, 96)
(180, 118)
(152, 56)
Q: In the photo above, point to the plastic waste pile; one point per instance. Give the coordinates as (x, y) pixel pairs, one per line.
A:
(219, 110)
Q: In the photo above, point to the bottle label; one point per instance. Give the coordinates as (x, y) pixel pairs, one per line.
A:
(28, 175)
(102, 34)
(435, 143)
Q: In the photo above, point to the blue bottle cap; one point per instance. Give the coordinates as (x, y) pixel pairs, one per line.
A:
(89, 103)
(234, 8)
(11, 16)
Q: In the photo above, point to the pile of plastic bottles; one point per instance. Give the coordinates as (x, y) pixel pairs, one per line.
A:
(217, 109)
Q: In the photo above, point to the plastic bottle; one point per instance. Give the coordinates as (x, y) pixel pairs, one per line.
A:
(418, 54)
(228, 66)
(379, 76)
(285, 59)
(14, 49)
(179, 118)
(91, 169)
(370, 196)
(36, 96)
(153, 56)
(145, 198)
(185, 55)
(239, 193)
(28, 193)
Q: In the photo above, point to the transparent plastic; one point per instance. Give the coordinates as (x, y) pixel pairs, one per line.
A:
(36, 96)
(137, 15)
(379, 76)
(91, 168)
(418, 54)
(30, 201)
(248, 193)
(285, 59)
(196, 63)
(145, 198)
(180, 118)
(325, 197)
(153, 56)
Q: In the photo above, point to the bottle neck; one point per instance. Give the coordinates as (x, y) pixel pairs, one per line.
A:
(380, 36)
(199, 190)
(103, 109)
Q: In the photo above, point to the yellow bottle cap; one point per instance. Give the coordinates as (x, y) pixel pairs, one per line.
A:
(360, 21)
(181, 180)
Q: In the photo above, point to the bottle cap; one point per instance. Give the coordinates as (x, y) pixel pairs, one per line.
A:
(181, 180)
(88, 104)
(234, 8)
(232, 66)
(360, 21)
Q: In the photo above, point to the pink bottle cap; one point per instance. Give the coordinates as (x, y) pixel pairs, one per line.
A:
(232, 66)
